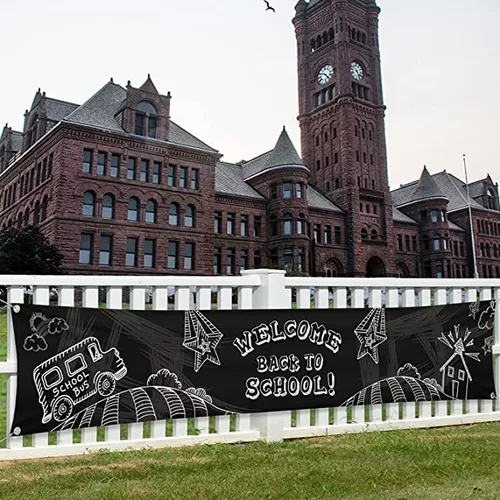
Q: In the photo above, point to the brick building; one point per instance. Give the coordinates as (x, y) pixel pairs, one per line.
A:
(121, 188)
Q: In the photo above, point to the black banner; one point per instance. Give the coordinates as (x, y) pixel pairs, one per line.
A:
(81, 367)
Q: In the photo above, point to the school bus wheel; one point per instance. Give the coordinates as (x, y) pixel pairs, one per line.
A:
(62, 409)
(106, 384)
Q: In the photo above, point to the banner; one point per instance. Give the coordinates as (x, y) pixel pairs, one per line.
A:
(80, 367)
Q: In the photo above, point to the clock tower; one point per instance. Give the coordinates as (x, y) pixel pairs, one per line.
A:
(341, 115)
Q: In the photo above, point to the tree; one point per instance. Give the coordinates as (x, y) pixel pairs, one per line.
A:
(27, 251)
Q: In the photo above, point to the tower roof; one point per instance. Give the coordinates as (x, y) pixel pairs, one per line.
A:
(427, 188)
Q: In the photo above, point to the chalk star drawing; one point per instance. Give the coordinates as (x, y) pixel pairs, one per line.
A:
(488, 345)
(202, 337)
(474, 309)
(455, 371)
(371, 333)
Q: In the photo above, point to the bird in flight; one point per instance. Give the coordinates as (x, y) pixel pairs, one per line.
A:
(268, 6)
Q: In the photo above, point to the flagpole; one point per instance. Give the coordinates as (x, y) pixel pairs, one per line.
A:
(474, 260)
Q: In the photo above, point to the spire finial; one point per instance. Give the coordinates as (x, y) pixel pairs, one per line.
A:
(111, 80)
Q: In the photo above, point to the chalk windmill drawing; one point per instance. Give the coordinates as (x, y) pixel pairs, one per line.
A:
(455, 372)
(202, 337)
(371, 332)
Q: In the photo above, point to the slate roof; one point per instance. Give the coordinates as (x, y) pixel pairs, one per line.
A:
(399, 216)
(17, 140)
(476, 189)
(450, 186)
(284, 155)
(101, 111)
(426, 188)
(229, 180)
(57, 110)
(455, 227)
(316, 200)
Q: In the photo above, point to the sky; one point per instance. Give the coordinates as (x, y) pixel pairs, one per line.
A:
(231, 69)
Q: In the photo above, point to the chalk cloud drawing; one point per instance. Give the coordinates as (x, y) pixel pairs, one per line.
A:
(487, 317)
(202, 337)
(455, 372)
(371, 332)
(41, 327)
(74, 375)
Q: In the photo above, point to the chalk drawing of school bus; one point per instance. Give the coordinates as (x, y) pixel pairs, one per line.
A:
(74, 375)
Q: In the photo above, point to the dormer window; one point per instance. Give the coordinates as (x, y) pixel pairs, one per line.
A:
(146, 119)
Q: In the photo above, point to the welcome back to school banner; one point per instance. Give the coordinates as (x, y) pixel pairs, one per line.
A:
(80, 367)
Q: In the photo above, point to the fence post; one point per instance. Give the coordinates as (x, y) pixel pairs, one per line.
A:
(271, 294)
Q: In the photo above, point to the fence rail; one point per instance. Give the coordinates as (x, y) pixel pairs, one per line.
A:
(255, 289)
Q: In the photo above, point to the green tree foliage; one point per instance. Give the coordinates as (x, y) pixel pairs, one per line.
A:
(27, 251)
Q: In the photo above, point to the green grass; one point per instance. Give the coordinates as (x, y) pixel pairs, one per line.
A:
(3, 378)
(451, 463)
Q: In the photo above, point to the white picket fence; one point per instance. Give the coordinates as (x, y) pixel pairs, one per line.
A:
(255, 289)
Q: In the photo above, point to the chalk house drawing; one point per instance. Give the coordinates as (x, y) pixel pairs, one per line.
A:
(202, 337)
(74, 375)
(371, 332)
(163, 398)
(455, 372)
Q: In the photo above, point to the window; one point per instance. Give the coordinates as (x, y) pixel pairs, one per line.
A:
(149, 253)
(328, 235)
(131, 169)
(173, 214)
(173, 248)
(52, 377)
(87, 161)
(86, 244)
(230, 224)
(407, 243)
(139, 124)
(288, 258)
(461, 374)
(146, 119)
(274, 225)
(273, 256)
(439, 270)
(230, 262)
(450, 371)
(364, 234)
(131, 254)
(287, 190)
(301, 260)
(105, 250)
(133, 210)
(273, 191)
(257, 226)
(317, 233)
(45, 203)
(217, 261)
(182, 176)
(101, 163)
(115, 166)
(374, 234)
(75, 365)
(144, 175)
(88, 208)
(172, 170)
(244, 261)
(298, 190)
(189, 256)
(150, 214)
(338, 235)
(156, 173)
(301, 224)
(287, 224)
(218, 222)
(195, 178)
(414, 243)
(436, 244)
(189, 216)
(257, 259)
(244, 225)
(434, 216)
(108, 206)
(336, 158)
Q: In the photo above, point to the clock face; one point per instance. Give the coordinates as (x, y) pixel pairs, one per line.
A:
(357, 71)
(325, 74)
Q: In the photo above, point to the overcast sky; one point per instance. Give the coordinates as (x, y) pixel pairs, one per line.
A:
(231, 69)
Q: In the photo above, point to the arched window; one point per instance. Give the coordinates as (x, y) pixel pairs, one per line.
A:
(491, 200)
(173, 214)
(150, 215)
(301, 224)
(364, 234)
(36, 214)
(19, 220)
(274, 225)
(318, 42)
(374, 235)
(108, 206)
(45, 203)
(287, 224)
(313, 45)
(146, 119)
(133, 209)
(325, 37)
(88, 208)
(27, 217)
(330, 34)
(189, 216)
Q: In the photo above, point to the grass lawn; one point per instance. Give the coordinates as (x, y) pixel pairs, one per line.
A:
(3, 378)
(452, 463)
